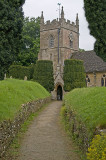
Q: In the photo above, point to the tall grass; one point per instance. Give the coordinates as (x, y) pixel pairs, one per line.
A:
(89, 106)
(13, 93)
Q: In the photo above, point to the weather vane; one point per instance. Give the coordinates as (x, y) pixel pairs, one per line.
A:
(59, 8)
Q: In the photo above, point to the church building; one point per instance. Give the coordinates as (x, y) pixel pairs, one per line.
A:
(59, 40)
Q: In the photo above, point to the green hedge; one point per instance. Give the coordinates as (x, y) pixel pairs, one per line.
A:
(43, 74)
(18, 71)
(74, 75)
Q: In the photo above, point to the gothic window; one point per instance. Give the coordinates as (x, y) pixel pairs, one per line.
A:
(71, 40)
(103, 81)
(87, 80)
(51, 41)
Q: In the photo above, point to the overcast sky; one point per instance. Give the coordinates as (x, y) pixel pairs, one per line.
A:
(33, 8)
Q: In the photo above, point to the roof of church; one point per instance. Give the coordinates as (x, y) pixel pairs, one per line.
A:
(92, 62)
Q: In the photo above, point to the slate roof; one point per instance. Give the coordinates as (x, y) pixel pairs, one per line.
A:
(92, 62)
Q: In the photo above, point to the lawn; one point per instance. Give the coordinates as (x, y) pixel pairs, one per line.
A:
(14, 92)
(89, 106)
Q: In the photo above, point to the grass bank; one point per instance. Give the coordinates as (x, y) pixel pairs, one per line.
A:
(84, 113)
(14, 92)
(89, 105)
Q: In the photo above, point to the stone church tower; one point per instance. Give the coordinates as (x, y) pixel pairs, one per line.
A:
(58, 40)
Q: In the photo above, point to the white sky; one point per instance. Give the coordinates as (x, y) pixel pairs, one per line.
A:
(33, 8)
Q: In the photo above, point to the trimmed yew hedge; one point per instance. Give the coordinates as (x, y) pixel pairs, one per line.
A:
(18, 71)
(74, 74)
(43, 74)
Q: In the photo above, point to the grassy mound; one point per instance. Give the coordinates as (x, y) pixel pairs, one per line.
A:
(13, 93)
(89, 106)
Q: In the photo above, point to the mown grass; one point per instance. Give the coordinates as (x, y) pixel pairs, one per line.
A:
(89, 106)
(14, 92)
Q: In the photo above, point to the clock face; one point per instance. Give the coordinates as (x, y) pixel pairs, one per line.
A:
(71, 36)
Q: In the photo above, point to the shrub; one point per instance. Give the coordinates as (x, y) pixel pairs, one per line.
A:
(43, 74)
(18, 71)
(74, 75)
(31, 68)
(97, 150)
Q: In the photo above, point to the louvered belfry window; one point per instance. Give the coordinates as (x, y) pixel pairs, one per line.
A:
(71, 39)
(51, 42)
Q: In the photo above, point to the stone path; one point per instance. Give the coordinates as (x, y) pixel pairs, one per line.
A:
(45, 139)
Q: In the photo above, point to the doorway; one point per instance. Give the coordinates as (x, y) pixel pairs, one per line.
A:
(59, 93)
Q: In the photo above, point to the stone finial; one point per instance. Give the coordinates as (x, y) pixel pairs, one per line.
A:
(42, 18)
(77, 20)
(42, 14)
(62, 13)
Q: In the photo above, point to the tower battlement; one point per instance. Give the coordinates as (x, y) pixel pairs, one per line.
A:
(59, 23)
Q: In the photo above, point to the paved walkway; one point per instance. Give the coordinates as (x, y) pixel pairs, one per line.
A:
(45, 139)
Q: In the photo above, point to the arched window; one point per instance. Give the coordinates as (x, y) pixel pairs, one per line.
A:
(51, 41)
(87, 80)
(103, 81)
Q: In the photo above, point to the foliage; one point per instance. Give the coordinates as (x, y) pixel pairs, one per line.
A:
(65, 118)
(74, 76)
(97, 150)
(18, 71)
(63, 112)
(13, 93)
(31, 41)
(44, 74)
(95, 12)
(81, 50)
(11, 23)
(88, 105)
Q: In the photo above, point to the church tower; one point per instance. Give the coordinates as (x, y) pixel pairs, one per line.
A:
(58, 40)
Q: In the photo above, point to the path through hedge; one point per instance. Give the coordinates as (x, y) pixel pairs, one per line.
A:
(45, 138)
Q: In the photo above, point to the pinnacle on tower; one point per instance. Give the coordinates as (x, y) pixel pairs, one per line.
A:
(42, 18)
(62, 13)
(77, 20)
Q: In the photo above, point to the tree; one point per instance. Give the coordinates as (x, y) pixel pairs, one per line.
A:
(11, 23)
(81, 50)
(95, 12)
(31, 41)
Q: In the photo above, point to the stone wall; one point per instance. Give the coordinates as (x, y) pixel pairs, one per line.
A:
(95, 79)
(9, 129)
(78, 131)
